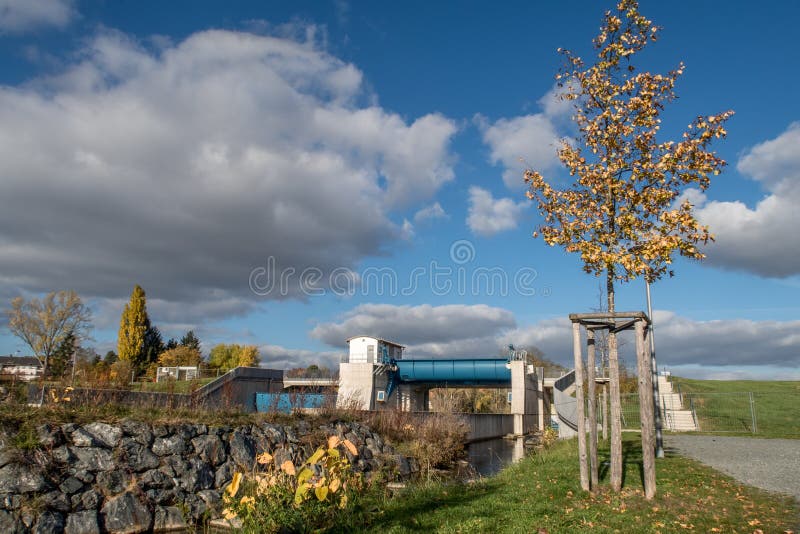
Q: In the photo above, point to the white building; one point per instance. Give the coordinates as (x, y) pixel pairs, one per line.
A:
(22, 367)
(177, 373)
(365, 349)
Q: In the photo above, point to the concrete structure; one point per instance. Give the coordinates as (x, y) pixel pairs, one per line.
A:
(372, 379)
(238, 387)
(312, 383)
(676, 417)
(525, 398)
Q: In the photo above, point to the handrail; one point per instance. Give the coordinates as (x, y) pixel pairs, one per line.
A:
(215, 384)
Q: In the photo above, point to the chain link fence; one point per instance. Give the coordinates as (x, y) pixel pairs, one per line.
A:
(768, 414)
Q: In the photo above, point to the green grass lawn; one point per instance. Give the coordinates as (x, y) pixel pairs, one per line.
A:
(689, 385)
(173, 386)
(543, 492)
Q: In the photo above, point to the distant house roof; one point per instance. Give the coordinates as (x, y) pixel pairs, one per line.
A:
(388, 342)
(22, 361)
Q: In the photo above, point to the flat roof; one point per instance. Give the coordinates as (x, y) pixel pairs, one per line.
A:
(387, 341)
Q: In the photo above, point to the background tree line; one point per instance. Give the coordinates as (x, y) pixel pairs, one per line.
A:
(57, 326)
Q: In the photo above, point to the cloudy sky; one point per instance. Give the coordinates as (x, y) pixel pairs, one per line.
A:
(290, 174)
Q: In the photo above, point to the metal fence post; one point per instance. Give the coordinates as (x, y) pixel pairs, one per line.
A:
(753, 413)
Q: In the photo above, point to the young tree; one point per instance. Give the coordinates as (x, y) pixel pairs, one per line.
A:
(227, 357)
(190, 340)
(180, 356)
(43, 324)
(132, 329)
(624, 213)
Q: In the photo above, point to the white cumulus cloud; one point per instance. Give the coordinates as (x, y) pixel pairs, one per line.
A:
(710, 349)
(279, 357)
(434, 211)
(526, 141)
(488, 215)
(416, 325)
(761, 239)
(184, 168)
(17, 16)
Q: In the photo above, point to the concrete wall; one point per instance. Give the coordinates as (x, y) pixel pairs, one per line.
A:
(239, 387)
(489, 425)
(356, 385)
(483, 425)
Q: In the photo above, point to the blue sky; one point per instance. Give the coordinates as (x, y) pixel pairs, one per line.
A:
(198, 148)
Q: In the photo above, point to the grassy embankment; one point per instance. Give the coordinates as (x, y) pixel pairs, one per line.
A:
(543, 492)
(723, 406)
(172, 386)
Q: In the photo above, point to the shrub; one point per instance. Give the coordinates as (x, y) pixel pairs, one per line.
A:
(434, 439)
(322, 494)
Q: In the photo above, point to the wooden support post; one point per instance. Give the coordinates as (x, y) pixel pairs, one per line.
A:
(615, 416)
(576, 347)
(592, 394)
(646, 409)
(605, 411)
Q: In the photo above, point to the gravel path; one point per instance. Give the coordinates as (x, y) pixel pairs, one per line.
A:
(770, 464)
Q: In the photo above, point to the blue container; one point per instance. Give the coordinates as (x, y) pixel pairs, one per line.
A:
(286, 402)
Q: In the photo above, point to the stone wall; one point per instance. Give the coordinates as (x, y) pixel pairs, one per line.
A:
(138, 477)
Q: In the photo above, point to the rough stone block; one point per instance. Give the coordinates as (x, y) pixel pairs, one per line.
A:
(126, 514)
(169, 518)
(104, 434)
(17, 478)
(82, 523)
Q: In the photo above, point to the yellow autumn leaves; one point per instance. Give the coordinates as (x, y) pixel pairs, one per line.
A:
(326, 474)
(621, 214)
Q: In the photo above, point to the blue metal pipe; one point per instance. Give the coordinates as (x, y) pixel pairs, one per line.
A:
(454, 371)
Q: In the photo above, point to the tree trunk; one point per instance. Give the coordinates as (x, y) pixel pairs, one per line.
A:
(579, 400)
(616, 410)
(592, 394)
(646, 410)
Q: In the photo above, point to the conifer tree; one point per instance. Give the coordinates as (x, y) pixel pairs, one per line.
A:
(61, 358)
(153, 344)
(191, 341)
(132, 328)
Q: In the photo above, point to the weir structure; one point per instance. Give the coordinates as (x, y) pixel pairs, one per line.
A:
(376, 376)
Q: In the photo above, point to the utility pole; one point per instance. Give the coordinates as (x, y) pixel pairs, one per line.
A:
(74, 357)
(654, 365)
